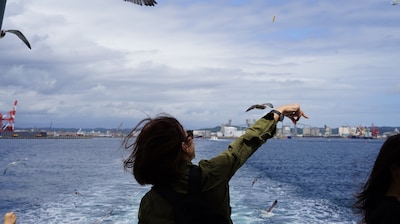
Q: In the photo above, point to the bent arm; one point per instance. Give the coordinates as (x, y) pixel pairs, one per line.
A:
(225, 165)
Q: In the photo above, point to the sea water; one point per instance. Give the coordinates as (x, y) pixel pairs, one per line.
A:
(83, 181)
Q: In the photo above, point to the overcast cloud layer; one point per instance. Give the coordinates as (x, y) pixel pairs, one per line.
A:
(97, 63)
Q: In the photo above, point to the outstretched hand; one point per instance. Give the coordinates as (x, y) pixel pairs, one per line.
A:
(292, 111)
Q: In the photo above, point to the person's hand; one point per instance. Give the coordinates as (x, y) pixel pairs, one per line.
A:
(292, 111)
(10, 218)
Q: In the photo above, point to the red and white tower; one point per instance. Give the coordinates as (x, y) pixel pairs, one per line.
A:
(374, 131)
(7, 121)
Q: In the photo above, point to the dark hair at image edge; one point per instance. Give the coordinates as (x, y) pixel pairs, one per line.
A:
(156, 151)
(379, 179)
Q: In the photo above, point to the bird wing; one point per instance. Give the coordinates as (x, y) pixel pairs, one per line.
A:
(8, 165)
(77, 193)
(251, 108)
(269, 105)
(272, 206)
(21, 36)
(260, 106)
(149, 2)
(5, 170)
(143, 2)
(257, 106)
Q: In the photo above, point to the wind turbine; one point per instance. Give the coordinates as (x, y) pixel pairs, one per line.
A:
(16, 32)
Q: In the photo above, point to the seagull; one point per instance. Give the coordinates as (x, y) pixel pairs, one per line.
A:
(19, 34)
(12, 164)
(268, 213)
(260, 106)
(105, 216)
(79, 194)
(254, 181)
(272, 206)
(143, 2)
(16, 32)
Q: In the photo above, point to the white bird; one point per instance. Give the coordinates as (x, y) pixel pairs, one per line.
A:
(143, 2)
(12, 164)
(268, 213)
(105, 216)
(260, 106)
(16, 32)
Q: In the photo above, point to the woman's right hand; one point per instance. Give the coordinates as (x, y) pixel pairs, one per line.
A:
(292, 111)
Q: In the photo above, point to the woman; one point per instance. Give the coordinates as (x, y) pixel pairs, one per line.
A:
(379, 201)
(162, 155)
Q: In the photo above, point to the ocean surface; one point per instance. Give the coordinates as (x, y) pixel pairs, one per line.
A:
(83, 181)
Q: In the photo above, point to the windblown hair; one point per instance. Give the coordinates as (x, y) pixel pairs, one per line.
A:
(379, 180)
(156, 151)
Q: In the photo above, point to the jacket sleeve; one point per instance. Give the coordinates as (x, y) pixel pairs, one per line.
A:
(224, 165)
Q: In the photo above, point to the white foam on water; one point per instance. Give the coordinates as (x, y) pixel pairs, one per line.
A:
(102, 203)
(106, 203)
(116, 199)
(250, 204)
(265, 214)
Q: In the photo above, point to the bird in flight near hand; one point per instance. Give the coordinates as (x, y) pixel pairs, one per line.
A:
(260, 106)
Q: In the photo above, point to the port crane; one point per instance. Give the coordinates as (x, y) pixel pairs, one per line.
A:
(374, 131)
(7, 121)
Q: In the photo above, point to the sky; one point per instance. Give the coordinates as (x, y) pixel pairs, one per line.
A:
(110, 63)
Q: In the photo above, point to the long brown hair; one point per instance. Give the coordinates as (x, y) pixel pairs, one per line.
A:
(379, 179)
(156, 151)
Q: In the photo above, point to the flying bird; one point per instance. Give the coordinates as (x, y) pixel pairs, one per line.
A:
(19, 34)
(143, 2)
(79, 194)
(269, 213)
(105, 216)
(16, 32)
(254, 181)
(272, 206)
(260, 106)
(12, 164)
(8, 166)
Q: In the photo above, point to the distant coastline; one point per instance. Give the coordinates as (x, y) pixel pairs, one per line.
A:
(38, 135)
(221, 132)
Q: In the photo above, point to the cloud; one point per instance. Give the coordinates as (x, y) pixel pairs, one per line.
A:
(98, 63)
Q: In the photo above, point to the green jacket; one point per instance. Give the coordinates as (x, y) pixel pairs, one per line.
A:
(216, 173)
